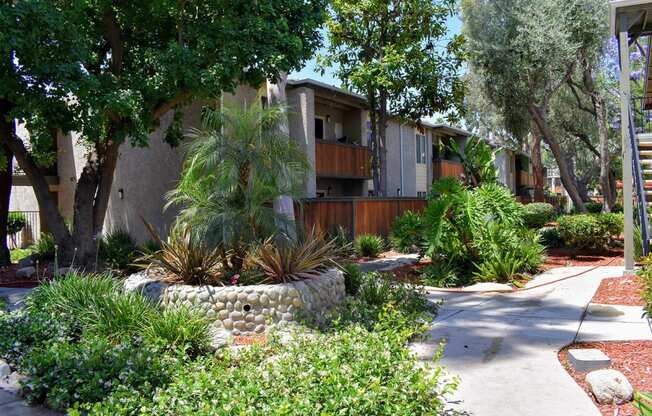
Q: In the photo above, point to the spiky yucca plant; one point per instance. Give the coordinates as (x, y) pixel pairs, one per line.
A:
(184, 258)
(285, 262)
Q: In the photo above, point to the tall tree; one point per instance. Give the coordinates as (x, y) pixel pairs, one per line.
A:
(127, 64)
(395, 53)
(527, 50)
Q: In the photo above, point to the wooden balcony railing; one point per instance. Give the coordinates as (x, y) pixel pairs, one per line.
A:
(339, 160)
(445, 168)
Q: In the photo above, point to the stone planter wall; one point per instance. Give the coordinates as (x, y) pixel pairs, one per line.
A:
(249, 309)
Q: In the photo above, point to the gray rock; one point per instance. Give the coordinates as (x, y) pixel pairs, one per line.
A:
(13, 383)
(588, 359)
(148, 287)
(5, 370)
(26, 262)
(610, 386)
(25, 272)
(64, 270)
(219, 337)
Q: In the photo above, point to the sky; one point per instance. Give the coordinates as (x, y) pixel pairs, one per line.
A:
(309, 71)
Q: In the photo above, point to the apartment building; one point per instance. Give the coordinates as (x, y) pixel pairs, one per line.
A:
(330, 124)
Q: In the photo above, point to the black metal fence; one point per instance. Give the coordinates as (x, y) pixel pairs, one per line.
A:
(29, 234)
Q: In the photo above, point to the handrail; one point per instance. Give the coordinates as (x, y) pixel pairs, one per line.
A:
(640, 188)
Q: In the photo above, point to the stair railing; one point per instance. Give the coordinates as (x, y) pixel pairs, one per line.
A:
(637, 173)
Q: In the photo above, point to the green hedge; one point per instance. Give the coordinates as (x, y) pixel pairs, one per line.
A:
(538, 214)
(590, 231)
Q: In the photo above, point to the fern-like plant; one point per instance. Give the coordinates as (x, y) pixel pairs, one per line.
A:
(236, 165)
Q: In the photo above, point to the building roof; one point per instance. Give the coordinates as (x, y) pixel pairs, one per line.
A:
(451, 130)
(360, 100)
(638, 11)
(330, 88)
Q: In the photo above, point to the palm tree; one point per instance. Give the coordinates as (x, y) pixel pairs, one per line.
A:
(236, 166)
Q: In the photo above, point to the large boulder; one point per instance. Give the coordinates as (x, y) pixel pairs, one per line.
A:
(610, 386)
(150, 288)
(26, 272)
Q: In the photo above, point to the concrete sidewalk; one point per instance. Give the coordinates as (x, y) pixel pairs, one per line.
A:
(504, 346)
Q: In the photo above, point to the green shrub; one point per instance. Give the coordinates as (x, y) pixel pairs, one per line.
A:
(407, 234)
(643, 402)
(118, 251)
(538, 214)
(441, 274)
(352, 278)
(593, 207)
(63, 373)
(181, 328)
(550, 237)
(369, 245)
(645, 273)
(504, 267)
(589, 231)
(44, 247)
(612, 223)
(360, 373)
(16, 221)
(342, 238)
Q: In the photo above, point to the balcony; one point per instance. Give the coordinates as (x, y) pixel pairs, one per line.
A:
(338, 160)
(444, 168)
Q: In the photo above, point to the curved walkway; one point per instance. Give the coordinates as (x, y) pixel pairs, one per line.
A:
(504, 347)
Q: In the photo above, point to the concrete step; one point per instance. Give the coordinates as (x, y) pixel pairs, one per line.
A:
(644, 138)
(646, 161)
(645, 153)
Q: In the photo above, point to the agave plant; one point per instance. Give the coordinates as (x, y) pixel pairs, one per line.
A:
(285, 262)
(184, 258)
(643, 402)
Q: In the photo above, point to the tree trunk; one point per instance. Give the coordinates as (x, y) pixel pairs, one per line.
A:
(537, 166)
(47, 205)
(283, 205)
(373, 144)
(6, 129)
(605, 157)
(382, 130)
(539, 118)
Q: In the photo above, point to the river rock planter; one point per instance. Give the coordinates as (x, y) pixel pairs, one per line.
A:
(244, 310)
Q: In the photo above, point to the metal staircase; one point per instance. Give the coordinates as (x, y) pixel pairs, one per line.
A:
(641, 142)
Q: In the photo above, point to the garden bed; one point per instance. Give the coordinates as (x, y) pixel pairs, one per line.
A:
(628, 357)
(566, 257)
(245, 310)
(8, 278)
(623, 290)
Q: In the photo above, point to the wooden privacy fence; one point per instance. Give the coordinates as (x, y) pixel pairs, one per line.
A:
(356, 215)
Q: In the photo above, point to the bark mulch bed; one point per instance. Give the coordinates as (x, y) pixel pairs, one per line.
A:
(565, 257)
(624, 290)
(632, 358)
(8, 277)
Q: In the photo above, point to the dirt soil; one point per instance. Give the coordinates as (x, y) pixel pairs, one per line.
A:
(632, 358)
(8, 277)
(565, 257)
(623, 290)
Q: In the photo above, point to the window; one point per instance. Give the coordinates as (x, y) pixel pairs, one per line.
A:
(319, 128)
(421, 148)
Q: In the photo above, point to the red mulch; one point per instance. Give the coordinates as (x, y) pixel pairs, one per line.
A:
(410, 273)
(8, 277)
(624, 290)
(564, 257)
(632, 358)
